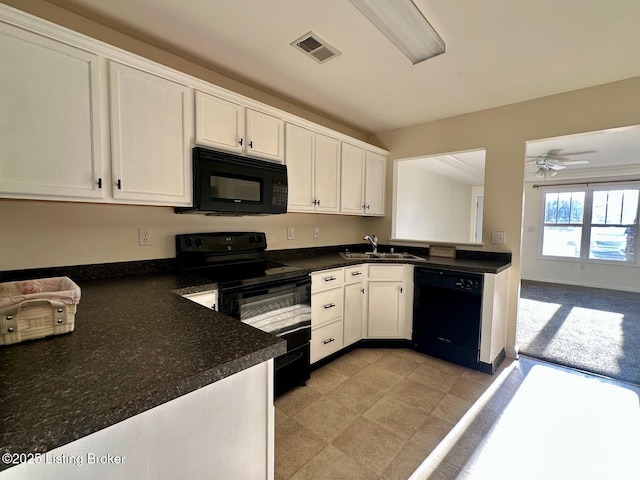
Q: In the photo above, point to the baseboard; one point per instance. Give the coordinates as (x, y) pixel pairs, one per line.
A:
(492, 367)
(364, 343)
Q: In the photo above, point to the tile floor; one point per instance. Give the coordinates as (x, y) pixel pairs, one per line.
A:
(371, 414)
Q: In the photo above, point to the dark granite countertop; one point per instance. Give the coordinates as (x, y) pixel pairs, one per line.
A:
(325, 258)
(136, 345)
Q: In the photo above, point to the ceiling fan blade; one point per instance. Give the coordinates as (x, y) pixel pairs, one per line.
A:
(576, 162)
(584, 152)
(557, 166)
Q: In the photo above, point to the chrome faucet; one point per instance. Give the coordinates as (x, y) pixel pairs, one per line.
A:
(373, 241)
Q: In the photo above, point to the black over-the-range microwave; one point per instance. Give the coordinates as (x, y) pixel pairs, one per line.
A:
(227, 184)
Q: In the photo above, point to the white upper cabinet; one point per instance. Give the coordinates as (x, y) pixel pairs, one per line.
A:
(50, 118)
(219, 123)
(150, 137)
(81, 120)
(352, 185)
(363, 181)
(313, 168)
(327, 174)
(265, 136)
(374, 183)
(226, 125)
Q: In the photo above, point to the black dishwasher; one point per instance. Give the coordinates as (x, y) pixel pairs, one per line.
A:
(447, 315)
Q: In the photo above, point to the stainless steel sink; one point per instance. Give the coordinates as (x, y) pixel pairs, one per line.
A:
(402, 256)
(360, 256)
(379, 256)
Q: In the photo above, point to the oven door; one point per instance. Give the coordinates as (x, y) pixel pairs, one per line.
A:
(282, 309)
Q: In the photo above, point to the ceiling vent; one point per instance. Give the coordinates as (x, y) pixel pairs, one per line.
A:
(313, 46)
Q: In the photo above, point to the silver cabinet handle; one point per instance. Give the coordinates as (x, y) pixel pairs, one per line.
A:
(355, 274)
(329, 279)
(328, 341)
(329, 305)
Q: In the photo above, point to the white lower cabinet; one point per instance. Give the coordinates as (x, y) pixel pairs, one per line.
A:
(326, 340)
(389, 300)
(326, 306)
(327, 297)
(358, 302)
(354, 319)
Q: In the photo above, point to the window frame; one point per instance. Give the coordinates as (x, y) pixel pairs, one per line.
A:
(587, 222)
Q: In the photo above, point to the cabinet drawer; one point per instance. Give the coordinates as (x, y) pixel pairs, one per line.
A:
(355, 274)
(326, 306)
(327, 279)
(326, 340)
(386, 272)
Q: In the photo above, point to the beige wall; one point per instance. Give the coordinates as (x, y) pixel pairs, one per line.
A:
(503, 132)
(44, 234)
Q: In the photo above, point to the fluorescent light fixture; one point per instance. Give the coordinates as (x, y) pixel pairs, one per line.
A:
(402, 23)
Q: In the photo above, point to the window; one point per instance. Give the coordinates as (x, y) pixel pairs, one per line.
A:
(591, 224)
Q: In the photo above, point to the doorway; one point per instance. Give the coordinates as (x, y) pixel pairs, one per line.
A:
(580, 289)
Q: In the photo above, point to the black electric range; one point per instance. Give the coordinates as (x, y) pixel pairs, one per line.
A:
(270, 296)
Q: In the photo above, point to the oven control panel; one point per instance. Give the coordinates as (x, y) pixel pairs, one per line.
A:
(214, 242)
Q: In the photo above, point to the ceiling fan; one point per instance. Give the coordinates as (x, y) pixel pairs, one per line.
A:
(549, 163)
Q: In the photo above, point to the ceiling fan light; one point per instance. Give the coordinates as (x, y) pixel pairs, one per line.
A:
(403, 23)
(541, 173)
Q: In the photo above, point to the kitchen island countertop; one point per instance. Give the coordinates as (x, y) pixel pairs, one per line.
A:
(137, 344)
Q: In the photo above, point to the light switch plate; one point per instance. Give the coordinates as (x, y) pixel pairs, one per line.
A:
(316, 232)
(290, 233)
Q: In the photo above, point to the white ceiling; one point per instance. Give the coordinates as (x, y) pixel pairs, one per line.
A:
(465, 167)
(497, 51)
(614, 152)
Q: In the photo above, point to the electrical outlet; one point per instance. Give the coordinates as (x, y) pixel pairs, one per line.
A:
(144, 237)
(316, 232)
(498, 238)
(290, 233)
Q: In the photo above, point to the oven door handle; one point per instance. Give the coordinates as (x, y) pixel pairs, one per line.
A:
(262, 288)
(288, 361)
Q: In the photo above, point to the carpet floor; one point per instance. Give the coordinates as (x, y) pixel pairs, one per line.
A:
(591, 329)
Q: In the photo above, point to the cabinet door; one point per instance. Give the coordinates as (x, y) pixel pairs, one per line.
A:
(327, 173)
(150, 137)
(299, 159)
(353, 312)
(374, 183)
(265, 136)
(219, 123)
(352, 179)
(385, 308)
(50, 118)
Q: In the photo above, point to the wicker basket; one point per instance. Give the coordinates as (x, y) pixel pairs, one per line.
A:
(37, 308)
